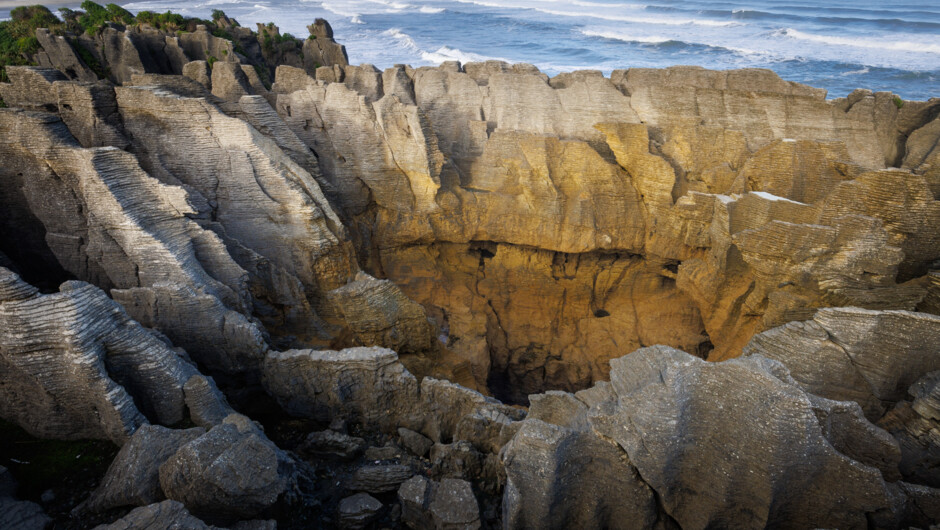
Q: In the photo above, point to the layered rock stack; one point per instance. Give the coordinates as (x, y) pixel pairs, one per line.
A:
(716, 292)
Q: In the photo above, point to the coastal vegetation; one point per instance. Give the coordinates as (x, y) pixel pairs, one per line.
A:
(19, 45)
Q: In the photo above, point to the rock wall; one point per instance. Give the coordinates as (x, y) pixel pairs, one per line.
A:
(739, 203)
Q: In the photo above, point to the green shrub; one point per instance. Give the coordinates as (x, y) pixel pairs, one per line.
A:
(18, 41)
(166, 21)
(263, 75)
(89, 59)
(211, 60)
(3, 104)
(898, 102)
(222, 34)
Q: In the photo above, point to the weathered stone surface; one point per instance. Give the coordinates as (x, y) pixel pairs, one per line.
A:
(158, 516)
(453, 506)
(448, 504)
(320, 49)
(496, 166)
(90, 112)
(668, 410)
(378, 313)
(331, 444)
(916, 426)
(229, 82)
(363, 385)
(59, 54)
(227, 474)
(358, 511)
(371, 387)
(133, 479)
(415, 442)
(850, 354)
(31, 87)
(127, 375)
(563, 476)
(379, 478)
(199, 72)
(260, 197)
(108, 222)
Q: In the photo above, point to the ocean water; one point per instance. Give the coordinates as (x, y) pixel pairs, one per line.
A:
(839, 45)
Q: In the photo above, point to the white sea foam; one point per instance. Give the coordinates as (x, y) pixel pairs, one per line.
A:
(861, 71)
(658, 21)
(861, 42)
(403, 38)
(648, 39)
(431, 10)
(446, 53)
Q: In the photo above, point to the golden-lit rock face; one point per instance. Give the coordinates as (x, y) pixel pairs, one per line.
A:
(548, 225)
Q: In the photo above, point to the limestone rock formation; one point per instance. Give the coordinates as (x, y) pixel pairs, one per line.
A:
(509, 178)
(127, 374)
(665, 412)
(850, 354)
(166, 514)
(369, 386)
(448, 504)
(229, 473)
(134, 476)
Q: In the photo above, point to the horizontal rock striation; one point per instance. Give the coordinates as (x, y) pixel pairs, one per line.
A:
(466, 184)
(76, 366)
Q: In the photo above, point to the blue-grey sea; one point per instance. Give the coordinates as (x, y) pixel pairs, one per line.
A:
(839, 45)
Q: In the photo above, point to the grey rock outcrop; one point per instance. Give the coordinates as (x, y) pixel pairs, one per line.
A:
(331, 444)
(227, 474)
(127, 375)
(133, 479)
(446, 505)
(158, 516)
(660, 408)
(916, 426)
(850, 354)
(369, 386)
(108, 222)
(320, 49)
(357, 511)
(379, 478)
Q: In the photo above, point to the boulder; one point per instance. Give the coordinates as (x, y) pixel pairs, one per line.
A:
(448, 504)
(415, 442)
(357, 511)
(227, 474)
(331, 444)
(158, 516)
(133, 478)
(379, 478)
